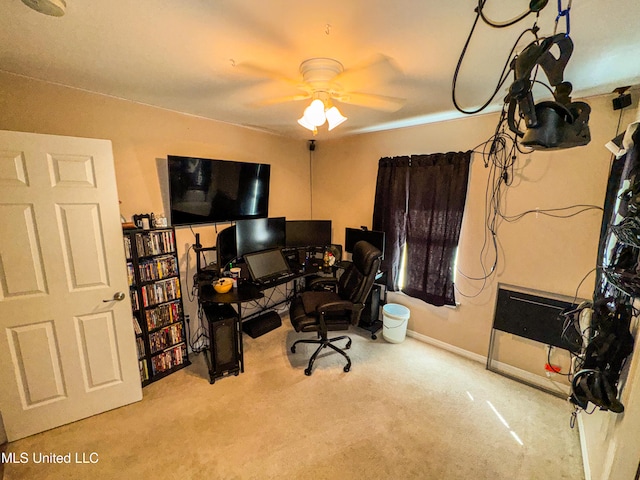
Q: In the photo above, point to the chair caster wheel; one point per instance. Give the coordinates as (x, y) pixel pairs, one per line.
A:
(374, 337)
(293, 349)
(347, 368)
(307, 372)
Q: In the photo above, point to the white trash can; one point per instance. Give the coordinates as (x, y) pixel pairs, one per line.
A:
(394, 322)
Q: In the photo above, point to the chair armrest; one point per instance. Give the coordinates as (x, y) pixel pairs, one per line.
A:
(321, 282)
(354, 308)
(335, 306)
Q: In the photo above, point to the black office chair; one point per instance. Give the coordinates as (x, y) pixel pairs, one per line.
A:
(323, 311)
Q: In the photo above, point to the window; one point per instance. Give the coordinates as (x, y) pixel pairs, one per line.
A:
(419, 203)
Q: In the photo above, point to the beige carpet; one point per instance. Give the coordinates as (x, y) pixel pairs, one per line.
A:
(405, 410)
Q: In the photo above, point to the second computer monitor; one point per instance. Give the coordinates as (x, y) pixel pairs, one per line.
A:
(354, 235)
(308, 233)
(226, 246)
(260, 234)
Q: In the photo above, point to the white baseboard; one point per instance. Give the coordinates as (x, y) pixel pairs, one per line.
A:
(583, 448)
(447, 346)
(539, 381)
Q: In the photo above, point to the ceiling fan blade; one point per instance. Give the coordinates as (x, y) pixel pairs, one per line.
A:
(275, 101)
(258, 71)
(379, 70)
(369, 100)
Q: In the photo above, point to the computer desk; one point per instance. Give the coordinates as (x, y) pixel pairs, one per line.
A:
(225, 354)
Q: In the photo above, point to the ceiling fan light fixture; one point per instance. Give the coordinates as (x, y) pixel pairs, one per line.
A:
(314, 113)
(334, 117)
(302, 121)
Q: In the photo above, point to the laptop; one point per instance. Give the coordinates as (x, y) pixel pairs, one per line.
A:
(268, 267)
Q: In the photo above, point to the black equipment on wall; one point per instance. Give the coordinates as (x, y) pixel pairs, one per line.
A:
(536, 318)
(604, 357)
(609, 341)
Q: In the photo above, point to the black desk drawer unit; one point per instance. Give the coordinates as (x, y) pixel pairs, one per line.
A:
(225, 343)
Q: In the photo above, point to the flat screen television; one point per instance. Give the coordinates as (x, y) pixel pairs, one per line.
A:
(308, 233)
(354, 235)
(260, 234)
(208, 191)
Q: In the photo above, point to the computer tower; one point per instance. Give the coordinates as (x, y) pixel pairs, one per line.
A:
(225, 349)
(371, 311)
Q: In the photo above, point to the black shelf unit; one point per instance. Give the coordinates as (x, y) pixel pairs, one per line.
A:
(156, 299)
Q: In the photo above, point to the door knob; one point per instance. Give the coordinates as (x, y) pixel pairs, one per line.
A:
(117, 297)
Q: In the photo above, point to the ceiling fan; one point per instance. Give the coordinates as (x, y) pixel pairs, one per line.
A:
(325, 80)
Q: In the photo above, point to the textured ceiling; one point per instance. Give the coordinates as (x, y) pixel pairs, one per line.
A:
(231, 60)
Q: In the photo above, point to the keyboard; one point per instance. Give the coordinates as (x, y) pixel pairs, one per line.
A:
(274, 279)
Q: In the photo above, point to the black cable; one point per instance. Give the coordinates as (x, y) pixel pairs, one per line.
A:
(584, 208)
(503, 75)
(310, 183)
(499, 154)
(619, 120)
(508, 23)
(199, 335)
(190, 296)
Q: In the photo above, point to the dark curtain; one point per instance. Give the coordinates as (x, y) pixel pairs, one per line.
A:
(390, 213)
(420, 200)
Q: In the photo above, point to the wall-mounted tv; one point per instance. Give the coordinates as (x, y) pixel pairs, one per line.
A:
(205, 190)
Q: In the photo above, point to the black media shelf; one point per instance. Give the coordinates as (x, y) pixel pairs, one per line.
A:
(151, 253)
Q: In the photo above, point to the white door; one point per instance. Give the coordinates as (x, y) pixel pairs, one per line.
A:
(65, 352)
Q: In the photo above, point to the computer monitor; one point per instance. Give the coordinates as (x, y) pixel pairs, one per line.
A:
(266, 263)
(354, 235)
(308, 233)
(226, 246)
(260, 234)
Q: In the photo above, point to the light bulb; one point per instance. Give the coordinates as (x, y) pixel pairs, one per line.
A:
(314, 113)
(302, 121)
(334, 117)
